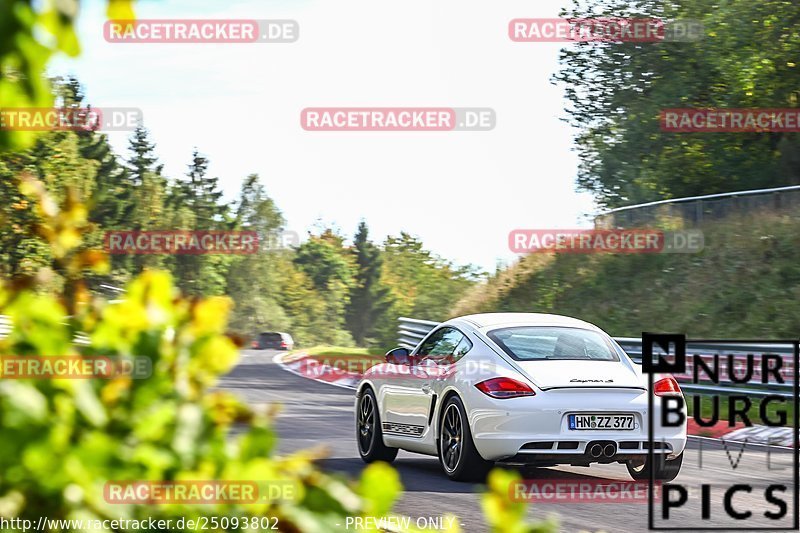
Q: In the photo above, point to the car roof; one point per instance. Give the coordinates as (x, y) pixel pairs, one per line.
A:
(487, 321)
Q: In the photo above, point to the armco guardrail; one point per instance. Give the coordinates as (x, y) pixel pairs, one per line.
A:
(412, 331)
(695, 210)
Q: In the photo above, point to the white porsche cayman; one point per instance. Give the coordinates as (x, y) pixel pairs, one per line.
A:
(519, 388)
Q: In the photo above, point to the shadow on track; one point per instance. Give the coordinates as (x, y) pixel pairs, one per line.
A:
(424, 474)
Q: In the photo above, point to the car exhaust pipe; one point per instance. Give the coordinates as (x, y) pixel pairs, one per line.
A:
(609, 450)
(596, 450)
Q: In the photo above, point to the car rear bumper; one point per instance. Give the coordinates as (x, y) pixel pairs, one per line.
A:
(564, 450)
(536, 428)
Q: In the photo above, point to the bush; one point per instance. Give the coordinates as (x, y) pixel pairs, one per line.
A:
(63, 439)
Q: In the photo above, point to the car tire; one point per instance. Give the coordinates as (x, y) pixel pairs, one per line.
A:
(664, 470)
(458, 456)
(369, 435)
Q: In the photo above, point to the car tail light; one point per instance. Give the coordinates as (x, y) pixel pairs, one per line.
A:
(504, 388)
(254, 344)
(283, 344)
(665, 386)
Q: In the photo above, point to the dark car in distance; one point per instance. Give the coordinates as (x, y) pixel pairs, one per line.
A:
(273, 340)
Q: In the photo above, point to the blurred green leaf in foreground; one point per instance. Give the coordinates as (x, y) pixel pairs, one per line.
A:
(63, 439)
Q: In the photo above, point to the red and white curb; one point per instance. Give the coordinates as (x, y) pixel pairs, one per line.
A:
(772, 436)
(755, 434)
(305, 366)
(717, 431)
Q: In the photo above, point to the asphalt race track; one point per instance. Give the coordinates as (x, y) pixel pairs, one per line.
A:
(319, 414)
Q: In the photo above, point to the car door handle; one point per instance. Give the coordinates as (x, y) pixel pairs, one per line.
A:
(426, 388)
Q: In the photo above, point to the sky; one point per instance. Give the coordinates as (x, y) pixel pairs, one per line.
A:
(461, 192)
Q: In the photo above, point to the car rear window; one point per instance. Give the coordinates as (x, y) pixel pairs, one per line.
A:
(271, 337)
(535, 343)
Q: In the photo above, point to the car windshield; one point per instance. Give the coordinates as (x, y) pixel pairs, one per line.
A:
(534, 343)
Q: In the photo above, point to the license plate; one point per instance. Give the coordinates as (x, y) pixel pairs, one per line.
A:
(602, 422)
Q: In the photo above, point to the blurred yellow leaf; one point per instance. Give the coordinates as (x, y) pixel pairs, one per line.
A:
(379, 486)
(120, 10)
(211, 314)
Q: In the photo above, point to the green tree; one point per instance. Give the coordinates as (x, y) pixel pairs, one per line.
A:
(422, 285)
(325, 262)
(112, 192)
(747, 58)
(305, 307)
(196, 205)
(253, 280)
(368, 298)
(21, 253)
(56, 161)
(200, 194)
(147, 212)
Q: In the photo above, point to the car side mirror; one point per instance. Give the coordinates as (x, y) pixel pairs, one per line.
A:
(399, 356)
